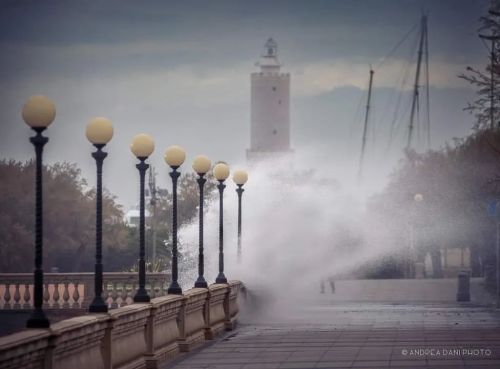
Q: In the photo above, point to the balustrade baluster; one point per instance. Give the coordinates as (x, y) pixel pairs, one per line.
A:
(151, 289)
(66, 295)
(46, 296)
(17, 297)
(114, 296)
(131, 291)
(124, 295)
(6, 296)
(55, 296)
(105, 293)
(76, 296)
(27, 297)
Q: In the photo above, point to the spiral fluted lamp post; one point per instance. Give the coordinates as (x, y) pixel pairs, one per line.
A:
(38, 112)
(99, 132)
(174, 157)
(240, 177)
(142, 147)
(201, 165)
(221, 172)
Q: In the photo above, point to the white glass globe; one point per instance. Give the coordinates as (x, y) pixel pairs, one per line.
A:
(142, 145)
(39, 111)
(99, 131)
(175, 156)
(221, 171)
(240, 177)
(201, 164)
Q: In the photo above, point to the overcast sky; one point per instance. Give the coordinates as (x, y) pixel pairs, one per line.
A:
(180, 72)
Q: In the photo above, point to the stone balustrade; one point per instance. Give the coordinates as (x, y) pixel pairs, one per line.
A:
(75, 290)
(193, 313)
(135, 336)
(231, 308)
(216, 312)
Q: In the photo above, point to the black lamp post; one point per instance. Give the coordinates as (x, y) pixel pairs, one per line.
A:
(174, 157)
(239, 177)
(99, 131)
(221, 172)
(38, 112)
(201, 165)
(142, 147)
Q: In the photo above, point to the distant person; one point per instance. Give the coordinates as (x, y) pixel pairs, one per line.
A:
(322, 286)
(331, 281)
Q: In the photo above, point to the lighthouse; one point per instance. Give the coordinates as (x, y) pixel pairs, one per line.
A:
(270, 108)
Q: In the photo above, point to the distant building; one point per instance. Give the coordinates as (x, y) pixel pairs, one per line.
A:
(132, 216)
(270, 108)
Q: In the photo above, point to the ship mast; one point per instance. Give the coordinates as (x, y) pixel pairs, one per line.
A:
(365, 127)
(415, 101)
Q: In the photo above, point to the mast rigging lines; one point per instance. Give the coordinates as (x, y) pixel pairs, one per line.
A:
(414, 119)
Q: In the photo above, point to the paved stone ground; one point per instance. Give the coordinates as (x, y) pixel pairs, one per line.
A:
(330, 333)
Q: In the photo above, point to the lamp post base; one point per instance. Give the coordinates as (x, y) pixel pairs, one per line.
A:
(174, 289)
(38, 320)
(142, 296)
(221, 278)
(201, 283)
(98, 306)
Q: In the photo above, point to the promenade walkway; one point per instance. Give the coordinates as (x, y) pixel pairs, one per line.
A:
(334, 331)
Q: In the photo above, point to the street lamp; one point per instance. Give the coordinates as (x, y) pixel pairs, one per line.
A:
(201, 165)
(38, 112)
(142, 147)
(174, 157)
(221, 172)
(240, 177)
(99, 132)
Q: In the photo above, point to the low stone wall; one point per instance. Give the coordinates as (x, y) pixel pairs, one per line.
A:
(134, 336)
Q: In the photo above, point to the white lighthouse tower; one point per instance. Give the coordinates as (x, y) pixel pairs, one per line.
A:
(270, 108)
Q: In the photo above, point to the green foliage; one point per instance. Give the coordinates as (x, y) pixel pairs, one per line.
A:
(69, 219)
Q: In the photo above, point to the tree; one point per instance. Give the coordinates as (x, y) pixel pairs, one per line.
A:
(69, 220)
(457, 183)
(486, 81)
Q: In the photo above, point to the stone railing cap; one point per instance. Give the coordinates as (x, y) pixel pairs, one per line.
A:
(162, 300)
(129, 309)
(77, 322)
(218, 286)
(196, 291)
(23, 337)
